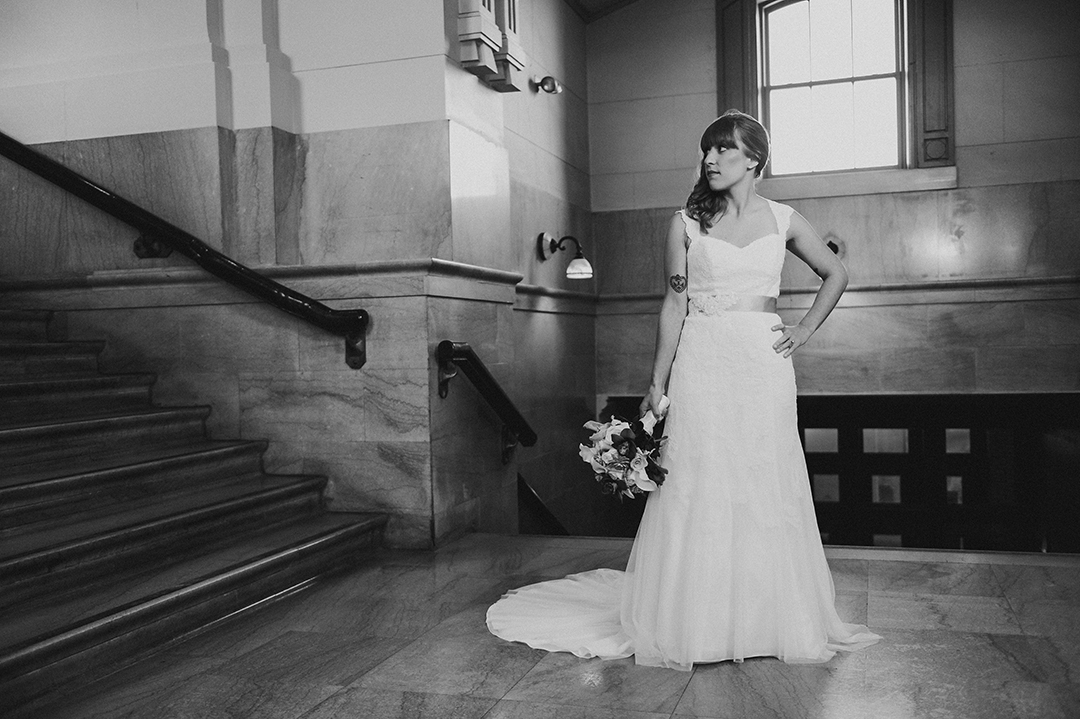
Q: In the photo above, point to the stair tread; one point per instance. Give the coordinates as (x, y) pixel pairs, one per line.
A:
(16, 348)
(66, 383)
(113, 458)
(47, 616)
(139, 513)
(103, 418)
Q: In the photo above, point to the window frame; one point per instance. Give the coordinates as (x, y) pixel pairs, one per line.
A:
(903, 119)
(929, 155)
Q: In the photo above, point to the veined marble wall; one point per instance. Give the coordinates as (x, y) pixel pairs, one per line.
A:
(969, 290)
(382, 435)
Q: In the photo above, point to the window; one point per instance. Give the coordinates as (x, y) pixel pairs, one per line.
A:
(844, 85)
(832, 89)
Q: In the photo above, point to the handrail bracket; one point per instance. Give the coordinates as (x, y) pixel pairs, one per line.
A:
(447, 370)
(148, 247)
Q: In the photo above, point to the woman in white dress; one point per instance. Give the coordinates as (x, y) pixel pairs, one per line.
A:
(727, 562)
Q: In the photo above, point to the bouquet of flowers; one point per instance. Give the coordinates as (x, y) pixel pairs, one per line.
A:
(625, 455)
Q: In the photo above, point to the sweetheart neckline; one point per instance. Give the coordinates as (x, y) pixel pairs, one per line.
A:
(738, 247)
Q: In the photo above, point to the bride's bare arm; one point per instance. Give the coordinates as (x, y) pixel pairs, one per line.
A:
(805, 244)
(672, 314)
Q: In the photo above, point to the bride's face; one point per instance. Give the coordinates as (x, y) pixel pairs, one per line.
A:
(726, 166)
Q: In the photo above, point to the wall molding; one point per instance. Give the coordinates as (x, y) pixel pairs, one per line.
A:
(192, 286)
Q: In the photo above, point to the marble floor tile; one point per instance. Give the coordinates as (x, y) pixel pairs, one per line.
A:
(133, 690)
(361, 703)
(850, 574)
(531, 710)
(768, 688)
(935, 578)
(561, 678)
(1028, 583)
(312, 658)
(896, 610)
(459, 656)
(403, 635)
(852, 606)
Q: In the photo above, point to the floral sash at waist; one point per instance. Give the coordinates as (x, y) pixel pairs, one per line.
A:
(711, 305)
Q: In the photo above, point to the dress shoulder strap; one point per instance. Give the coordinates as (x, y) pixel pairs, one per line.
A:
(691, 226)
(782, 213)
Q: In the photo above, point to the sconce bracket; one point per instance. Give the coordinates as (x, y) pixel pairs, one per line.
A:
(546, 246)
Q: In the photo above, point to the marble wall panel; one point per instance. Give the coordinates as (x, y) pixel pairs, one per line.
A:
(247, 192)
(175, 174)
(630, 250)
(480, 200)
(555, 357)
(532, 211)
(1029, 369)
(377, 193)
(396, 338)
(467, 473)
(990, 346)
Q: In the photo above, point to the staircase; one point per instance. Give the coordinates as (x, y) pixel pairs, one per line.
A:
(124, 527)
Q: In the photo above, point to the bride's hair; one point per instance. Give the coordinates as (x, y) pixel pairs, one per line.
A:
(703, 204)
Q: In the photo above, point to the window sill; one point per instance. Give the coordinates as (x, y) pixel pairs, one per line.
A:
(859, 182)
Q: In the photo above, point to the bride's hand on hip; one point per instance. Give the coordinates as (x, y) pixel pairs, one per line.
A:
(792, 337)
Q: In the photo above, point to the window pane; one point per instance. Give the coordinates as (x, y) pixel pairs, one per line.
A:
(789, 44)
(826, 487)
(873, 33)
(888, 441)
(876, 141)
(958, 441)
(791, 134)
(888, 540)
(830, 38)
(822, 439)
(886, 488)
(833, 127)
(954, 490)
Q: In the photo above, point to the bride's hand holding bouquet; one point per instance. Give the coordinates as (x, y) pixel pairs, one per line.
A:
(625, 456)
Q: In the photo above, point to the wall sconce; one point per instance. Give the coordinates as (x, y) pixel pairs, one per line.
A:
(548, 84)
(579, 267)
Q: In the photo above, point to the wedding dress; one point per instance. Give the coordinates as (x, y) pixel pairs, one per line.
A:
(727, 562)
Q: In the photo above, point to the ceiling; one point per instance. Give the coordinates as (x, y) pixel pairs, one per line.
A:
(590, 10)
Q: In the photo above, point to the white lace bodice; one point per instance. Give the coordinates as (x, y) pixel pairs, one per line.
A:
(718, 271)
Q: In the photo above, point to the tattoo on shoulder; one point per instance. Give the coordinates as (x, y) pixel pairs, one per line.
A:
(678, 283)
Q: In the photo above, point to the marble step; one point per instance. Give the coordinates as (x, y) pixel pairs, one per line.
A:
(37, 563)
(76, 441)
(30, 358)
(58, 646)
(90, 491)
(23, 400)
(24, 324)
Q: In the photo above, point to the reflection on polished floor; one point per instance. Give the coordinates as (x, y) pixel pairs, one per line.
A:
(403, 635)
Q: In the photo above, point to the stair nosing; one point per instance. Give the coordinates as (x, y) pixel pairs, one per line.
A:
(125, 614)
(74, 548)
(174, 457)
(123, 417)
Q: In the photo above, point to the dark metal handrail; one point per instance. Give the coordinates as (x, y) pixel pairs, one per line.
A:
(450, 354)
(351, 324)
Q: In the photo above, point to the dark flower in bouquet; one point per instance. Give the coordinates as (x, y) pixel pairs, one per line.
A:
(624, 455)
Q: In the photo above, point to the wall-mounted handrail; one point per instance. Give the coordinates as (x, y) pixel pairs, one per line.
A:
(459, 354)
(351, 324)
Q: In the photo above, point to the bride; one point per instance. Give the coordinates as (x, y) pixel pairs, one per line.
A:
(728, 561)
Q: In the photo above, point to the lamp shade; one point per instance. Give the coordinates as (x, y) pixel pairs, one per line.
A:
(579, 269)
